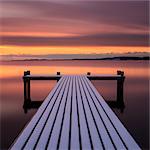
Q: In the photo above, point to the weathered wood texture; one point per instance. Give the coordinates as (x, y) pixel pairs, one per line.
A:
(75, 116)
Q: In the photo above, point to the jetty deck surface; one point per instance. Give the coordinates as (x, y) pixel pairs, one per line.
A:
(75, 116)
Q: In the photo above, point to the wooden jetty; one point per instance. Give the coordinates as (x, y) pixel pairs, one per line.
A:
(74, 116)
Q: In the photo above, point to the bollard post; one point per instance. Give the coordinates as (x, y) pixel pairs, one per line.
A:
(27, 97)
(88, 73)
(120, 83)
(58, 73)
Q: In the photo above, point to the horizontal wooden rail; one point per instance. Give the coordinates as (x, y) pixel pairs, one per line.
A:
(42, 77)
(105, 77)
(120, 75)
(57, 77)
(119, 78)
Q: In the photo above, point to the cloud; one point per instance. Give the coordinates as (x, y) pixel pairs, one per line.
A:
(94, 22)
(117, 12)
(88, 40)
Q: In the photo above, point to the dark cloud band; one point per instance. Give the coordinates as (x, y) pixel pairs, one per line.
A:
(86, 40)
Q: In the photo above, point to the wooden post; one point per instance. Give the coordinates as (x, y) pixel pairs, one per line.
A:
(27, 97)
(120, 82)
(58, 73)
(88, 73)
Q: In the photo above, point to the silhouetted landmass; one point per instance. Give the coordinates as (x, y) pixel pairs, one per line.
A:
(106, 58)
(131, 58)
(34, 59)
(119, 58)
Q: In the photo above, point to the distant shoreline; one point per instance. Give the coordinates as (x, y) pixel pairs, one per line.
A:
(120, 58)
(106, 58)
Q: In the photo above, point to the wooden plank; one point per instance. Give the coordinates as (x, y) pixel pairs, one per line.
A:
(105, 138)
(85, 137)
(75, 124)
(30, 127)
(53, 142)
(118, 126)
(115, 139)
(65, 132)
(41, 125)
(95, 140)
(109, 127)
(47, 132)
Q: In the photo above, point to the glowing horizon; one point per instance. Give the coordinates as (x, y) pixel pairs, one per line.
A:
(43, 50)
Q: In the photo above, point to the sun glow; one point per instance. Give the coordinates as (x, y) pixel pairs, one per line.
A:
(8, 71)
(36, 34)
(43, 50)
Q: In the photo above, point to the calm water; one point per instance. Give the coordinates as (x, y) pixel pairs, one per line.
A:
(136, 93)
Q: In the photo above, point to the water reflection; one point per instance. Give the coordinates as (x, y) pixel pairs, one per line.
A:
(135, 116)
(115, 104)
(31, 105)
(15, 69)
(36, 104)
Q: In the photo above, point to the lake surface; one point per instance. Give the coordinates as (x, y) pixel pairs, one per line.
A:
(136, 93)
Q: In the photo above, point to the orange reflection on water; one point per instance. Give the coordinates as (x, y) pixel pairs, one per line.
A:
(17, 71)
(136, 89)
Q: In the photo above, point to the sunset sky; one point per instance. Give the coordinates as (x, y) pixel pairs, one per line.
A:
(73, 27)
